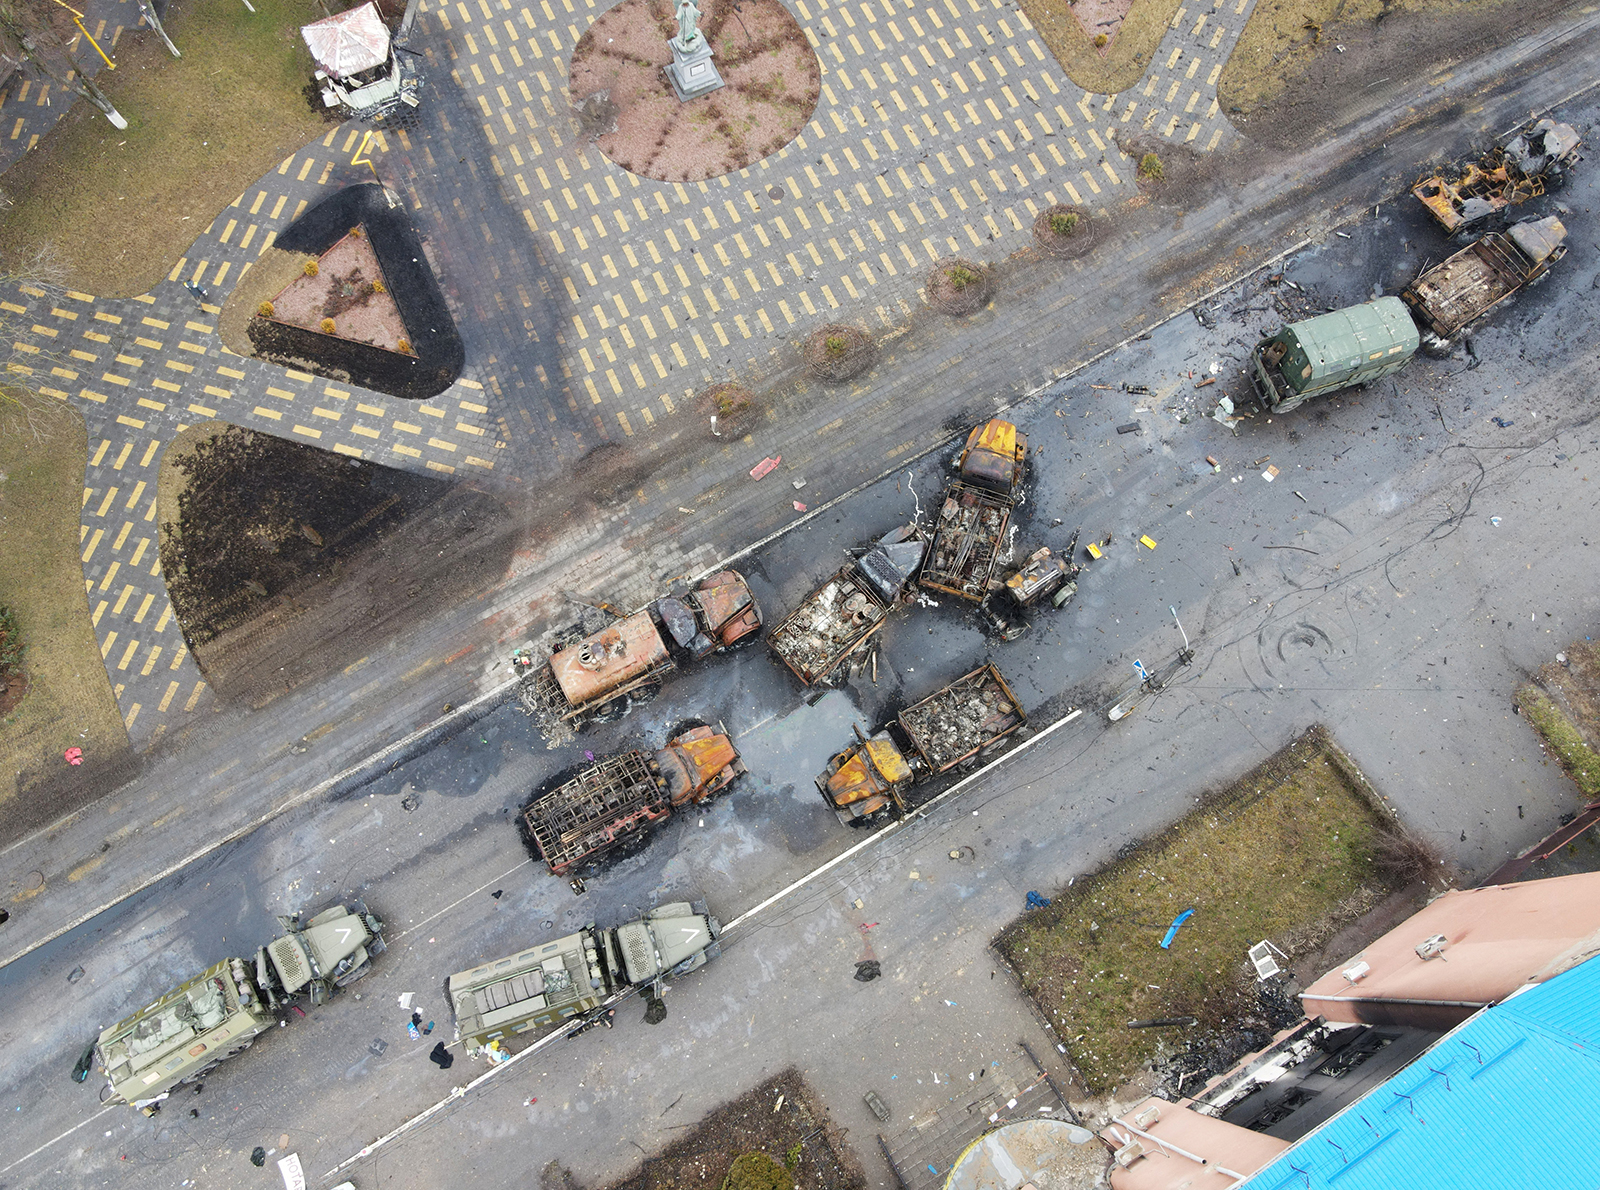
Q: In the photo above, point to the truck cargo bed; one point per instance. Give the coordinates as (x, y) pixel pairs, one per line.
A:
(969, 714)
(591, 813)
(972, 526)
(830, 623)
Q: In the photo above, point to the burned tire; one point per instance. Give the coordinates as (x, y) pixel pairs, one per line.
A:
(645, 695)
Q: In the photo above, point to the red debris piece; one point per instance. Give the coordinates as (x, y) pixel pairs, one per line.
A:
(73, 755)
(765, 467)
(799, 507)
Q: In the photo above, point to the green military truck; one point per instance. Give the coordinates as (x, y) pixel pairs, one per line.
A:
(1333, 351)
(580, 975)
(219, 1013)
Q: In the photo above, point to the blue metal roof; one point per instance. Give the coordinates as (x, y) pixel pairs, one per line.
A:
(1506, 1099)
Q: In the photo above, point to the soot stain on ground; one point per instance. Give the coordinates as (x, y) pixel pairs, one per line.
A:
(286, 562)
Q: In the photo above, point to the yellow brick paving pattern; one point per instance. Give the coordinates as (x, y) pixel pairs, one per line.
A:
(942, 129)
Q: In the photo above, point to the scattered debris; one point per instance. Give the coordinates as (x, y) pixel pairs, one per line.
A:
(1035, 901)
(73, 755)
(799, 507)
(1302, 497)
(1172, 930)
(1209, 380)
(1132, 427)
(765, 467)
(1215, 466)
(867, 970)
(1147, 541)
(1270, 474)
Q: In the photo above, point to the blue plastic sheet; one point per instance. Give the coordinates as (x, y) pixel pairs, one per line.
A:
(1172, 930)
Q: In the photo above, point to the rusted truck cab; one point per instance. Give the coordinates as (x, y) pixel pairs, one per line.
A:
(866, 779)
(994, 457)
(698, 765)
(719, 612)
(1470, 198)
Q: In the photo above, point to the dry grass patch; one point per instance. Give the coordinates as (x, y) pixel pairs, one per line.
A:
(122, 207)
(69, 701)
(1115, 67)
(1283, 36)
(1563, 704)
(1286, 853)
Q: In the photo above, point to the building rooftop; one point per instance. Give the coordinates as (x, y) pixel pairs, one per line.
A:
(1504, 1099)
(1494, 940)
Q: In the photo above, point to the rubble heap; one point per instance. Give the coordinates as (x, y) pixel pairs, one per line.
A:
(961, 718)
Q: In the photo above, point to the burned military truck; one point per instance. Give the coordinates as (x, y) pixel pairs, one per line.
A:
(1469, 284)
(838, 620)
(873, 776)
(970, 529)
(1470, 198)
(618, 798)
(630, 658)
(220, 1012)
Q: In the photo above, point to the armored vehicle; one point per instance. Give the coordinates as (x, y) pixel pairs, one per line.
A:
(220, 1012)
(579, 974)
(1321, 355)
(953, 725)
(969, 535)
(630, 658)
(620, 796)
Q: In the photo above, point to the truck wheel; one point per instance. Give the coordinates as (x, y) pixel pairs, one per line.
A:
(610, 712)
(350, 977)
(645, 694)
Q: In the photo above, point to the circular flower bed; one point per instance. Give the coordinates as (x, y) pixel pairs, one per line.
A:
(838, 352)
(959, 287)
(1064, 231)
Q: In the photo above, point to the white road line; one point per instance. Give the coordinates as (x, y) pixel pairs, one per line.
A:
(877, 836)
(412, 929)
(63, 1136)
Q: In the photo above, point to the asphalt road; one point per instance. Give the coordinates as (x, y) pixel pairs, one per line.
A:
(1402, 618)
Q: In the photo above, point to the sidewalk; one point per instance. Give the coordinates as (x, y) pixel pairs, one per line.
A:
(146, 827)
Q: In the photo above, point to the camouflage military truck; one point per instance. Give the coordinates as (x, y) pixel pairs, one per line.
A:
(220, 1012)
(580, 975)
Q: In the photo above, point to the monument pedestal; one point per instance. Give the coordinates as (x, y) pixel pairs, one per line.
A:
(692, 72)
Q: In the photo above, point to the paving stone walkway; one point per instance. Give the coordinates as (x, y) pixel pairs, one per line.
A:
(594, 302)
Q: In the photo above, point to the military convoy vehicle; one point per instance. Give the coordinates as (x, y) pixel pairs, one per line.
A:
(580, 974)
(838, 620)
(1469, 284)
(630, 658)
(1468, 199)
(872, 776)
(969, 532)
(1332, 351)
(618, 797)
(219, 1013)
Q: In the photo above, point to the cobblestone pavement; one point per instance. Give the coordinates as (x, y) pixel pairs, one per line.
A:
(31, 103)
(593, 302)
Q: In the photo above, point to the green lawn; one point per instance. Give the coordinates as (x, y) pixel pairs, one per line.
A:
(69, 701)
(1275, 856)
(122, 207)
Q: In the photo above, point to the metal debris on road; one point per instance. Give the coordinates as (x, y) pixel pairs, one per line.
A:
(765, 467)
(1302, 497)
(1270, 474)
(1147, 541)
(1132, 427)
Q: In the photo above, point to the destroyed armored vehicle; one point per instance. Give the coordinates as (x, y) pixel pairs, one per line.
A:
(1320, 355)
(839, 619)
(969, 532)
(618, 797)
(1470, 198)
(1469, 284)
(631, 657)
(873, 776)
(577, 975)
(219, 1013)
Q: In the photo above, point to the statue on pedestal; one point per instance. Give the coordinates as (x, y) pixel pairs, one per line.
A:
(688, 13)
